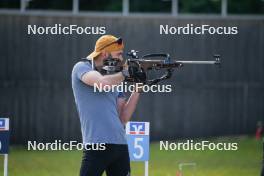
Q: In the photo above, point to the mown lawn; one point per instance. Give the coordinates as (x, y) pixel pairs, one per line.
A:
(246, 161)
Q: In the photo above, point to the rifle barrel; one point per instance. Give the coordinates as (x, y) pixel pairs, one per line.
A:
(197, 62)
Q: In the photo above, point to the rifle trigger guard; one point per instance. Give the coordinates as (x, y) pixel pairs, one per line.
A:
(167, 75)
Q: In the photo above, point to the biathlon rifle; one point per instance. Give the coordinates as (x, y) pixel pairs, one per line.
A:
(138, 67)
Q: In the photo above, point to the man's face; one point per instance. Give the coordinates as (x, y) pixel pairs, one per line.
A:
(117, 54)
(106, 55)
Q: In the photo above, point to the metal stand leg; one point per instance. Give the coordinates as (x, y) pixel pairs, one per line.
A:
(262, 172)
(5, 164)
(146, 168)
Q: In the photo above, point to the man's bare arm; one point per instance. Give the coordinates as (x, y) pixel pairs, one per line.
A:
(94, 77)
(127, 108)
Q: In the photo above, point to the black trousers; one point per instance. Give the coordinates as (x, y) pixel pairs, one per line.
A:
(114, 160)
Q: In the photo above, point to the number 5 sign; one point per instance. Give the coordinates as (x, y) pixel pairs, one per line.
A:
(138, 142)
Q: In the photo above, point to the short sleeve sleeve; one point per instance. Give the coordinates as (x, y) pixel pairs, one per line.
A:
(81, 68)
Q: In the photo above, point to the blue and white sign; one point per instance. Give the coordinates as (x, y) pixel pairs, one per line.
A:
(138, 140)
(4, 135)
(4, 124)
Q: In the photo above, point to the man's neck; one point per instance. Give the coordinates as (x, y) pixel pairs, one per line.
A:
(98, 62)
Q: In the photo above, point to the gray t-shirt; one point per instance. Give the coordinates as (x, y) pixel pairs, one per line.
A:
(98, 111)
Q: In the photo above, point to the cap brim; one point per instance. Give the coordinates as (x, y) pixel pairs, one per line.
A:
(93, 55)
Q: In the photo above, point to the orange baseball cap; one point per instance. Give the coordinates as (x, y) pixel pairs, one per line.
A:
(108, 43)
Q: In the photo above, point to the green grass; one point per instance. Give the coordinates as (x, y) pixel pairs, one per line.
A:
(246, 161)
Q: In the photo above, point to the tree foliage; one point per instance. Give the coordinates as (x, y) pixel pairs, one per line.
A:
(185, 6)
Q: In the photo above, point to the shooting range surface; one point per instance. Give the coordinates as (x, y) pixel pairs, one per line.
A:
(162, 163)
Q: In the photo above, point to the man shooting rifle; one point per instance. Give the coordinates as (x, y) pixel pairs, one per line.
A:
(103, 114)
